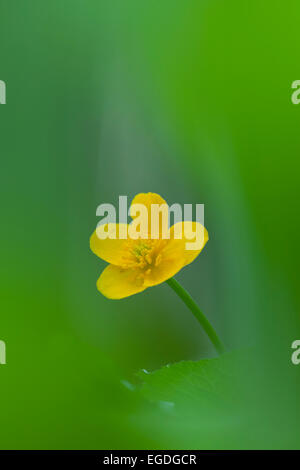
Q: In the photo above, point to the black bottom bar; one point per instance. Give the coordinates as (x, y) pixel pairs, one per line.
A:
(133, 459)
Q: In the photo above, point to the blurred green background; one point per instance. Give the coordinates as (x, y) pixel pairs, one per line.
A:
(192, 100)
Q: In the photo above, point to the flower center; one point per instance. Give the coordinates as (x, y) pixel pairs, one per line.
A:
(142, 254)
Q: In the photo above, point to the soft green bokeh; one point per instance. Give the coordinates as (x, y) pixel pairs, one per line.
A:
(190, 99)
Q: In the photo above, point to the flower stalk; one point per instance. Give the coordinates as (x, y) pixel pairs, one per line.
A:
(191, 304)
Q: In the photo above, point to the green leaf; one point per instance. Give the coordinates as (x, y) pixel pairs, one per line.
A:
(192, 383)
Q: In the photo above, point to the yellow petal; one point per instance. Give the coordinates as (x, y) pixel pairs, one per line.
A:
(112, 249)
(147, 200)
(170, 260)
(117, 283)
(193, 233)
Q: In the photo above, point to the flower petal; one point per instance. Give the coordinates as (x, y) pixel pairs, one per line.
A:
(192, 232)
(171, 259)
(117, 283)
(112, 249)
(158, 224)
(147, 199)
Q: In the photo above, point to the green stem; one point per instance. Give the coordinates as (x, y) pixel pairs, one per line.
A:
(191, 304)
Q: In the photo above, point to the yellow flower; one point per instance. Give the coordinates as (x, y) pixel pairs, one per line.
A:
(136, 264)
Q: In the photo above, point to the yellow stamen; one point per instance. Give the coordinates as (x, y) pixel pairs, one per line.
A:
(158, 260)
